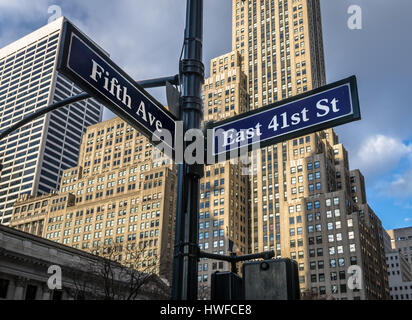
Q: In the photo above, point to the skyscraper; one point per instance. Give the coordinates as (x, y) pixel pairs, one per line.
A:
(401, 240)
(281, 45)
(224, 204)
(34, 157)
(399, 263)
(303, 203)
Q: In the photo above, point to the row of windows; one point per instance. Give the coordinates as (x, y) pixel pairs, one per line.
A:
(215, 244)
(8, 61)
(216, 202)
(44, 57)
(97, 235)
(206, 224)
(315, 204)
(216, 234)
(28, 101)
(215, 184)
(206, 214)
(217, 192)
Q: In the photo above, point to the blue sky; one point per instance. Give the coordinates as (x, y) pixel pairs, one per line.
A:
(145, 38)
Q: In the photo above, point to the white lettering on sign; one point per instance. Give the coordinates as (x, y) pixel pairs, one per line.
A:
(231, 136)
(112, 86)
(323, 106)
(285, 120)
(295, 120)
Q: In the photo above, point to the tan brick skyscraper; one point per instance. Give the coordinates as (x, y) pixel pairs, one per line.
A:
(224, 189)
(116, 196)
(301, 197)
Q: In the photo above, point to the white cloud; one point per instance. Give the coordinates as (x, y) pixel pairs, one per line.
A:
(18, 17)
(380, 154)
(402, 203)
(27, 8)
(401, 186)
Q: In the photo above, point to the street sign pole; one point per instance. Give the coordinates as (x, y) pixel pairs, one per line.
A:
(187, 211)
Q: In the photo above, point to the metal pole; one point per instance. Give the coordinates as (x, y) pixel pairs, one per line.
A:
(186, 238)
(159, 82)
(263, 255)
(43, 111)
(234, 258)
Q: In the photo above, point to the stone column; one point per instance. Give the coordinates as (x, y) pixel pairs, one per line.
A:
(19, 286)
(46, 293)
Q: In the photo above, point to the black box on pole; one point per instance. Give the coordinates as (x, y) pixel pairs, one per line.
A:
(271, 280)
(226, 286)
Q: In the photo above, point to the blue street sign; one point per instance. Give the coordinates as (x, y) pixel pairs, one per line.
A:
(90, 68)
(313, 111)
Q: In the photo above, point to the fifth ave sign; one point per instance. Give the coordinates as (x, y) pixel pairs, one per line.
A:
(322, 108)
(90, 68)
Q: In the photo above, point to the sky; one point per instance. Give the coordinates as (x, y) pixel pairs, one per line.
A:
(145, 38)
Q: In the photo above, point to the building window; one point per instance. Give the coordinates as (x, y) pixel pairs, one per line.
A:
(353, 261)
(57, 295)
(31, 292)
(321, 277)
(4, 286)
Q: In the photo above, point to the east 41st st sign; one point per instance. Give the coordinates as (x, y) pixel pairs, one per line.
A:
(322, 108)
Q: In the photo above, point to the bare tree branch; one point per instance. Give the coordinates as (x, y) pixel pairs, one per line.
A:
(124, 273)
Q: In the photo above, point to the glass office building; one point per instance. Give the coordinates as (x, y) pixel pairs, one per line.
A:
(33, 158)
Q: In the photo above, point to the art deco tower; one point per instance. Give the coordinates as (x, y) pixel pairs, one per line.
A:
(304, 202)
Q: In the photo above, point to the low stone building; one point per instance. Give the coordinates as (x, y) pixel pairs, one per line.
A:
(31, 268)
